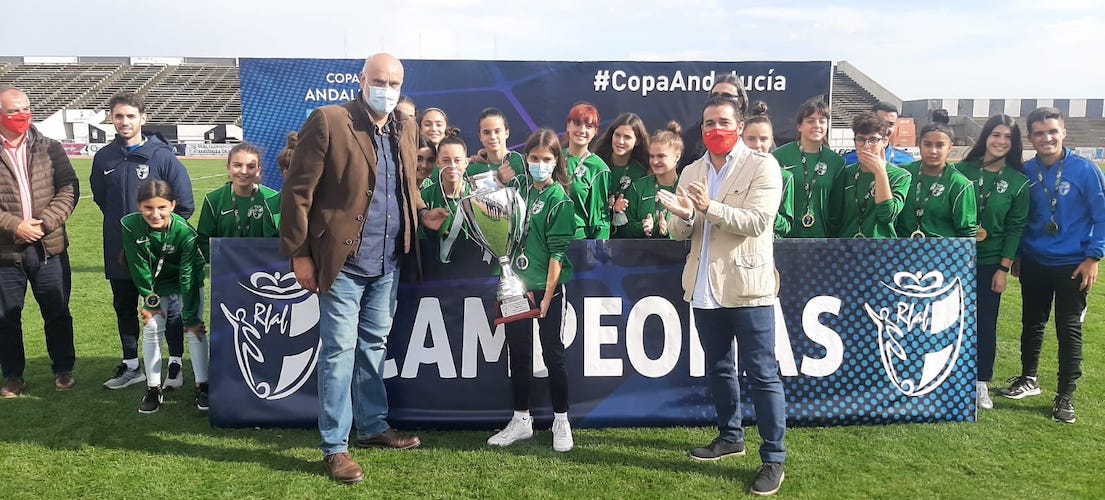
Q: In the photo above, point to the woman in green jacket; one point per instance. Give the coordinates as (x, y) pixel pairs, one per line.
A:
(242, 208)
(941, 201)
(624, 148)
(759, 135)
(590, 175)
(647, 217)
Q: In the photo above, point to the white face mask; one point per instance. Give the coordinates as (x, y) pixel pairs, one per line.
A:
(540, 172)
(382, 100)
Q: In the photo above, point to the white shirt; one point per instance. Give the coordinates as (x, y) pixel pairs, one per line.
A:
(703, 297)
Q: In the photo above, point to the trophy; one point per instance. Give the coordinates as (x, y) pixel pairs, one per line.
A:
(497, 219)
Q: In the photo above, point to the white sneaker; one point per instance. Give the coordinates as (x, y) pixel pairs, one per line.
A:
(984, 401)
(517, 430)
(124, 377)
(562, 435)
(175, 378)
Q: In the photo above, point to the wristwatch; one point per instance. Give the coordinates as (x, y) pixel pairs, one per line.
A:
(153, 301)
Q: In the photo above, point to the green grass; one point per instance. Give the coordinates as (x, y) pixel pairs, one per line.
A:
(92, 443)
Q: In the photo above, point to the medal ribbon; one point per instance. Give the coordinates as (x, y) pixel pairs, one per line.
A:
(866, 197)
(920, 206)
(810, 185)
(1052, 195)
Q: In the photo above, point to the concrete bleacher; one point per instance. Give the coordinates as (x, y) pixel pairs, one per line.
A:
(51, 87)
(849, 99)
(195, 94)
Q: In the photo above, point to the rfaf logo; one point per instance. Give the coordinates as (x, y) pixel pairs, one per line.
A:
(920, 336)
(282, 311)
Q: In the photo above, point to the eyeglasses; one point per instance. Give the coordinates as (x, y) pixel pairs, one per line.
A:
(868, 141)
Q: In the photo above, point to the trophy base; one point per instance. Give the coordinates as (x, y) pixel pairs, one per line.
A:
(516, 308)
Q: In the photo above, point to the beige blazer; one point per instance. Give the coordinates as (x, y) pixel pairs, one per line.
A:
(741, 252)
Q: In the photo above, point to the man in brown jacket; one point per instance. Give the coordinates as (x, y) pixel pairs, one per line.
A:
(350, 210)
(38, 191)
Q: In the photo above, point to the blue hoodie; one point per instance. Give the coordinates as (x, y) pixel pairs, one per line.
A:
(116, 174)
(1079, 212)
(894, 156)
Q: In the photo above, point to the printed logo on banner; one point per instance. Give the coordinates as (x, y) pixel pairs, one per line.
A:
(282, 312)
(921, 335)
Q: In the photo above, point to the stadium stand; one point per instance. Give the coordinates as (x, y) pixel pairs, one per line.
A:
(848, 99)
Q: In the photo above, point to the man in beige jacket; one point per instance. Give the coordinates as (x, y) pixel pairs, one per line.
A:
(726, 203)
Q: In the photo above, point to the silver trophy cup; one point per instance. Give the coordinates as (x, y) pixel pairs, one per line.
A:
(497, 219)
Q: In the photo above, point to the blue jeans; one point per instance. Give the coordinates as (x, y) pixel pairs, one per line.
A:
(356, 316)
(754, 329)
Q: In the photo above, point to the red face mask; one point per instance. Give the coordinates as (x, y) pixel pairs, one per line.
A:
(18, 123)
(720, 141)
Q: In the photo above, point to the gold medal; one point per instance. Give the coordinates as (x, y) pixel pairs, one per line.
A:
(859, 236)
(917, 234)
(808, 220)
(981, 234)
(1052, 227)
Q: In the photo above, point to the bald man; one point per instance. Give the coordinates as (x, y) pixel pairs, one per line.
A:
(38, 192)
(350, 210)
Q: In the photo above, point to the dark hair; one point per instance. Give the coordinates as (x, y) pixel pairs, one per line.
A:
(244, 147)
(940, 123)
(452, 136)
(813, 106)
(546, 138)
(758, 114)
(425, 143)
(126, 99)
(672, 136)
(284, 160)
(720, 100)
(742, 94)
(408, 100)
(493, 112)
(605, 147)
(1014, 157)
(868, 122)
(885, 107)
(448, 130)
(155, 188)
(1041, 114)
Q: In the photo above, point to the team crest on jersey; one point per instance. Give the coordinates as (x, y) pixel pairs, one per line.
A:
(143, 171)
(624, 183)
(580, 170)
(538, 206)
(1064, 188)
(168, 249)
(256, 212)
(821, 168)
(937, 189)
(1001, 186)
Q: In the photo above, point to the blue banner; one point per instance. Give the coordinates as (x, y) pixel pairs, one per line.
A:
(869, 332)
(278, 94)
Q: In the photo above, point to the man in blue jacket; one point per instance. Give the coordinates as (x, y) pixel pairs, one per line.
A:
(117, 171)
(894, 156)
(1062, 243)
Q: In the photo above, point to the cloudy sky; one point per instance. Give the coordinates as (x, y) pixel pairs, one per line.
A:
(934, 49)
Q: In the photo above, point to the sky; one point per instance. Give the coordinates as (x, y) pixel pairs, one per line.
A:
(918, 50)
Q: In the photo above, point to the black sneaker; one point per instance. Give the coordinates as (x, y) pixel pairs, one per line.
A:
(768, 480)
(717, 450)
(151, 402)
(202, 397)
(175, 380)
(1021, 387)
(1063, 411)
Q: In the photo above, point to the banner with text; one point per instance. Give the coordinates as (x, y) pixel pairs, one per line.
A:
(278, 94)
(868, 332)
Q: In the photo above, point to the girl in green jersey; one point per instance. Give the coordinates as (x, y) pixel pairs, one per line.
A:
(868, 195)
(494, 133)
(814, 168)
(543, 265)
(589, 173)
(242, 207)
(624, 148)
(941, 201)
(759, 135)
(996, 168)
(426, 163)
(647, 217)
(452, 160)
(162, 253)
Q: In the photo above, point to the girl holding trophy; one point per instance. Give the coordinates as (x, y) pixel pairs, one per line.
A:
(542, 264)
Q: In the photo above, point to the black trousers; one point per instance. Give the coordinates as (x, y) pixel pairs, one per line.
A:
(50, 287)
(125, 301)
(519, 339)
(1040, 285)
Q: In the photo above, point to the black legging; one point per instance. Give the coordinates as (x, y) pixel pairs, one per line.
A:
(519, 339)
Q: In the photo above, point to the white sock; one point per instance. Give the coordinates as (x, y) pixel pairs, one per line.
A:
(132, 364)
(521, 415)
(197, 347)
(175, 359)
(151, 349)
(560, 416)
(1032, 379)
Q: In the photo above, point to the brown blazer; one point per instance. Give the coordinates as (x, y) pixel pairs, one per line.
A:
(330, 184)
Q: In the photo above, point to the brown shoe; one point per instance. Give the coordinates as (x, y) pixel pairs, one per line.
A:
(390, 439)
(63, 381)
(13, 387)
(343, 469)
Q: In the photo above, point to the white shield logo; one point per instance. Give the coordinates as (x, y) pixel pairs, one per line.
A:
(821, 168)
(937, 189)
(920, 337)
(1064, 188)
(1001, 186)
(538, 206)
(143, 171)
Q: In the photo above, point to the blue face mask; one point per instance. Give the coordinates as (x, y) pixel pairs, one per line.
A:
(540, 172)
(382, 100)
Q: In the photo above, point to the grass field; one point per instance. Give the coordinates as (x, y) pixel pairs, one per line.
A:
(92, 443)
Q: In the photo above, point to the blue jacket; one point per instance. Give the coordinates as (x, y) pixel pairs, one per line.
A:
(116, 174)
(1079, 212)
(893, 155)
